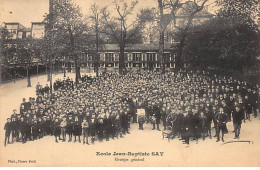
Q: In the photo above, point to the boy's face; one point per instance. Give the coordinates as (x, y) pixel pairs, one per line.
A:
(8, 120)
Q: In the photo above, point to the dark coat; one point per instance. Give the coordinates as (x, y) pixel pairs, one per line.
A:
(117, 123)
(123, 120)
(108, 125)
(187, 126)
(203, 124)
(77, 129)
(238, 116)
(179, 122)
(92, 128)
(35, 129)
(222, 119)
(56, 130)
(7, 127)
(69, 128)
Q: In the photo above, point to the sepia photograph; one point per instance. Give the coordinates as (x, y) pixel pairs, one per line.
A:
(129, 83)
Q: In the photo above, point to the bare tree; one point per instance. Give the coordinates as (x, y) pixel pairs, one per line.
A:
(120, 27)
(95, 18)
(190, 12)
(168, 12)
(66, 26)
(164, 21)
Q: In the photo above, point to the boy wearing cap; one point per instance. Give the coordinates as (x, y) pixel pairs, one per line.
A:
(77, 129)
(56, 130)
(100, 128)
(69, 127)
(85, 130)
(186, 128)
(8, 130)
(221, 119)
(92, 129)
(23, 128)
(63, 125)
(117, 124)
(34, 130)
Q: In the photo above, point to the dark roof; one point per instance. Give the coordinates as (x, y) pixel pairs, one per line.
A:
(38, 23)
(12, 23)
(20, 26)
(136, 47)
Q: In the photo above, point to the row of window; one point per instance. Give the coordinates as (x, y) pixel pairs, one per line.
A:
(136, 57)
(129, 65)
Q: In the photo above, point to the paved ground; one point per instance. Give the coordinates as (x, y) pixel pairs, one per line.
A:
(48, 153)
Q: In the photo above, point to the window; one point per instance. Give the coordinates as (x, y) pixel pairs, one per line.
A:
(130, 57)
(126, 57)
(109, 57)
(89, 57)
(166, 57)
(137, 56)
(150, 56)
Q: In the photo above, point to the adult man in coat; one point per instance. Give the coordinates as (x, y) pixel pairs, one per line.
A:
(237, 121)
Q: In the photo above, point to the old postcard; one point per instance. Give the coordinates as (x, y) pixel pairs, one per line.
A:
(129, 83)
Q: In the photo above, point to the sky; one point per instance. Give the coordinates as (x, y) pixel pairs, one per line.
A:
(27, 11)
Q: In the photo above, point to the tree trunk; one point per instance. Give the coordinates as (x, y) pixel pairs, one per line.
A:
(51, 80)
(121, 59)
(97, 45)
(161, 51)
(179, 57)
(64, 71)
(49, 73)
(161, 41)
(28, 78)
(37, 70)
(77, 71)
(97, 64)
(14, 74)
(72, 44)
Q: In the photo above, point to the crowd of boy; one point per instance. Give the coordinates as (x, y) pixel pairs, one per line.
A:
(187, 103)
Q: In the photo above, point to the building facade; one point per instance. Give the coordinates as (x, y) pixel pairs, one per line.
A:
(38, 30)
(137, 56)
(18, 31)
